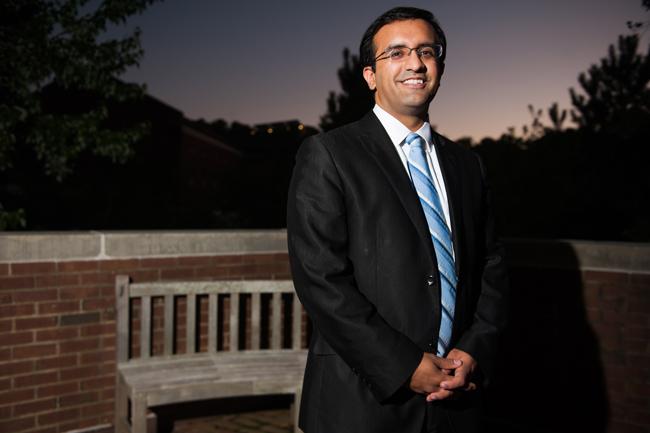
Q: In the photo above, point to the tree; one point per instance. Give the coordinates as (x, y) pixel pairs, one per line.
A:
(557, 117)
(354, 101)
(585, 183)
(616, 91)
(63, 44)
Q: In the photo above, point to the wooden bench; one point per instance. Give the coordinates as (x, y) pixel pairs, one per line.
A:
(169, 377)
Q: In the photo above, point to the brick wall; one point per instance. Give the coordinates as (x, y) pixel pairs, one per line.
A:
(576, 357)
(618, 309)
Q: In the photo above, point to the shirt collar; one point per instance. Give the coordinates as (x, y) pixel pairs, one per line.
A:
(396, 129)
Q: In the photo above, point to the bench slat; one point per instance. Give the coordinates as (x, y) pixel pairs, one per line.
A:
(228, 368)
(206, 287)
(123, 317)
(296, 338)
(190, 325)
(255, 320)
(234, 322)
(213, 320)
(276, 324)
(145, 327)
(169, 325)
(203, 359)
(153, 378)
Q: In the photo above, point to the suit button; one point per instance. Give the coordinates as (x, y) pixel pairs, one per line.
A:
(430, 280)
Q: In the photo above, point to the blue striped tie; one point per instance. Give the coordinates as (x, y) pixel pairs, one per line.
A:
(440, 235)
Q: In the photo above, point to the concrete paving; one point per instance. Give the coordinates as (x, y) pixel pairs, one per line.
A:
(265, 421)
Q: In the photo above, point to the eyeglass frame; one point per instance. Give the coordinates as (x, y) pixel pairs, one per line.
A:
(436, 47)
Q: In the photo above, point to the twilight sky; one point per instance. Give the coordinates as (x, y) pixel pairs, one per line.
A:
(265, 61)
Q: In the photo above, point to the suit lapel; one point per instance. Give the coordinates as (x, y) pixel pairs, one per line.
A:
(378, 143)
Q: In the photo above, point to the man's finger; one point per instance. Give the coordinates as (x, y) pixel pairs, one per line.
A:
(459, 381)
(441, 394)
(446, 363)
(470, 386)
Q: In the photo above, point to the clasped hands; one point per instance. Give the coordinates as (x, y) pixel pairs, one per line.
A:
(442, 378)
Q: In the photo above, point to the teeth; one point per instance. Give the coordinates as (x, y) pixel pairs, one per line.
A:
(413, 81)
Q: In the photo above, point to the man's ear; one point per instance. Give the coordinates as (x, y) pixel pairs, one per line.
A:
(369, 76)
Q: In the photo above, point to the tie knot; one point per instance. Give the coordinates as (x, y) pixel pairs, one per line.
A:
(414, 139)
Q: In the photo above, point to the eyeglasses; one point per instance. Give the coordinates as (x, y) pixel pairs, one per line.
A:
(399, 53)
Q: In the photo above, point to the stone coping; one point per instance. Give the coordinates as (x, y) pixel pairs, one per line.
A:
(580, 254)
(67, 246)
(95, 245)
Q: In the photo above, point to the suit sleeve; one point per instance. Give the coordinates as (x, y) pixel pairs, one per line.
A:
(323, 276)
(481, 340)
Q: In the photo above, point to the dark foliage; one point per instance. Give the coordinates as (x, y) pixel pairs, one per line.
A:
(62, 45)
(616, 93)
(258, 195)
(355, 98)
(589, 182)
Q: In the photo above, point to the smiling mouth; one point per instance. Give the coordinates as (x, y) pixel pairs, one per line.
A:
(413, 81)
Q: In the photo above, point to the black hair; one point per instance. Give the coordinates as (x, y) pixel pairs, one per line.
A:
(402, 13)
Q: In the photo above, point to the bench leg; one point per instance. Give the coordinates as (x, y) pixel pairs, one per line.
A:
(122, 426)
(121, 421)
(295, 409)
(139, 414)
(152, 423)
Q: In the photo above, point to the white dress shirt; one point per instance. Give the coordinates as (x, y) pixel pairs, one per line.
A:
(397, 133)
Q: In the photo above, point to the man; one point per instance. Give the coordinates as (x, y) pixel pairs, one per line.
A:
(393, 254)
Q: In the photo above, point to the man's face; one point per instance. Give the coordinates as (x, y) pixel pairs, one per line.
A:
(406, 87)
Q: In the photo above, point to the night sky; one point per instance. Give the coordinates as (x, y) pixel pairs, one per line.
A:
(267, 61)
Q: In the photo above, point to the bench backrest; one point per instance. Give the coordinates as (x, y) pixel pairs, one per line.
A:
(214, 290)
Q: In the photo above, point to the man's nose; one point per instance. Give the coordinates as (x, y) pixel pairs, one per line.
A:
(414, 62)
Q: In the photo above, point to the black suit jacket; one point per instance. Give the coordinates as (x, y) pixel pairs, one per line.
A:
(365, 270)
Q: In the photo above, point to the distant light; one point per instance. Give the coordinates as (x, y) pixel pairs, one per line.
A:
(270, 130)
(301, 127)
